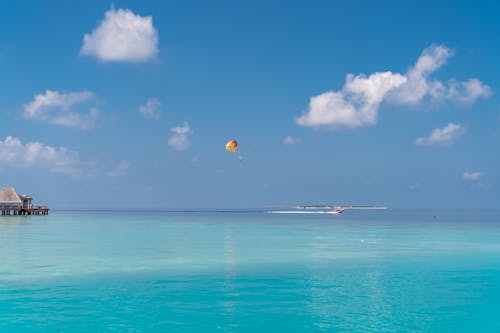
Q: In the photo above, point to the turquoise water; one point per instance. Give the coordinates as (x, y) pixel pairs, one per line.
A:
(363, 271)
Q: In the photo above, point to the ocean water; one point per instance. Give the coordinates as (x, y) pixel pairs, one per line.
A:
(250, 271)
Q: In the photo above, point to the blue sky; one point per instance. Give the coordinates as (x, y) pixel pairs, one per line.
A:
(130, 104)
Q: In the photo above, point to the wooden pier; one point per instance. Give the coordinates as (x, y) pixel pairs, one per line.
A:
(13, 204)
(37, 210)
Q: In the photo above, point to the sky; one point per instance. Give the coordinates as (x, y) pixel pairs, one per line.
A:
(129, 104)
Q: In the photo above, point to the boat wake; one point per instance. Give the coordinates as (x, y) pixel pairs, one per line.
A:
(302, 212)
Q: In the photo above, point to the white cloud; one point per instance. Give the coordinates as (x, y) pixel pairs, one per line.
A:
(35, 154)
(290, 140)
(16, 154)
(150, 109)
(55, 108)
(120, 170)
(472, 175)
(442, 136)
(419, 85)
(122, 36)
(468, 91)
(415, 186)
(180, 137)
(53, 99)
(357, 104)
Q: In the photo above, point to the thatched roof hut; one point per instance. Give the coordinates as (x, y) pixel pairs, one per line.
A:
(9, 198)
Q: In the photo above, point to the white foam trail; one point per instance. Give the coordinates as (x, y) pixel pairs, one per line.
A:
(300, 212)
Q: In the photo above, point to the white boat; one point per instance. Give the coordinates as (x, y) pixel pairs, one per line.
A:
(321, 209)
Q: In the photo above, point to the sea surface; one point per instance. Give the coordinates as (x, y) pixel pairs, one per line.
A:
(250, 271)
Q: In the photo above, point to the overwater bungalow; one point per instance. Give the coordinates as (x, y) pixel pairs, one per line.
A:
(13, 204)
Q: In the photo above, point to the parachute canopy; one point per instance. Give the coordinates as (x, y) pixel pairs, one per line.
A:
(232, 146)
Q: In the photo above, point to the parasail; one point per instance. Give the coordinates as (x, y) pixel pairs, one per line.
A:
(232, 146)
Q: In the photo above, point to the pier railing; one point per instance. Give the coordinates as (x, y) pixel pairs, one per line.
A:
(19, 210)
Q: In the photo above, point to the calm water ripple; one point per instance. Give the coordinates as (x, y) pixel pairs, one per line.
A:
(384, 271)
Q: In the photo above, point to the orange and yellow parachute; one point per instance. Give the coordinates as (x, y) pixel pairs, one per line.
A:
(232, 146)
